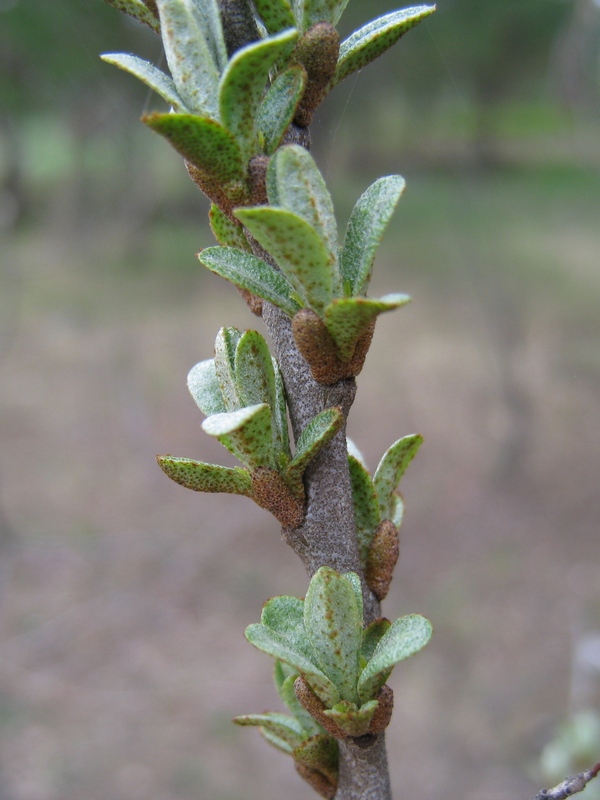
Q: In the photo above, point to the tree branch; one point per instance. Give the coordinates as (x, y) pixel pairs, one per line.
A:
(571, 785)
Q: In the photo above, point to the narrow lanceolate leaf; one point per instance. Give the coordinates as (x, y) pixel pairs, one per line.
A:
(250, 431)
(271, 642)
(204, 387)
(334, 627)
(254, 373)
(150, 75)
(320, 430)
(285, 728)
(243, 85)
(354, 581)
(208, 19)
(251, 273)
(276, 14)
(203, 477)
(298, 250)
(225, 345)
(322, 11)
(279, 412)
(138, 11)
(366, 507)
(227, 232)
(348, 318)
(189, 56)
(372, 40)
(366, 226)
(278, 106)
(391, 468)
(300, 188)
(203, 142)
(403, 638)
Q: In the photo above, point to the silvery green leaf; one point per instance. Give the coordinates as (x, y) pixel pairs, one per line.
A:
(391, 468)
(204, 387)
(334, 628)
(355, 452)
(203, 477)
(371, 637)
(320, 430)
(276, 14)
(320, 753)
(138, 11)
(243, 85)
(285, 615)
(286, 731)
(225, 345)
(280, 410)
(251, 273)
(271, 642)
(309, 725)
(203, 142)
(403, 638)
(372, 40)
(150, 75)
(279, 105)
(227, 232)
(347, 318)
(249, 429)
(300, 188)
(298, 250)
(366, 226)
(209, 20)
(396, 509)
(366, 507)
(354, 581)
(322, 11)
(353, 721)
(189, 56)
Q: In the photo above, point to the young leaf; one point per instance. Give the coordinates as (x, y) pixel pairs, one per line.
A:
(353, 721)
(372, 40)
(271, 642)
(366, 226)
(347, 318)
(300, 188)
(227, 232)
(251, 273)
(204, 387)
(279, 411)
(366, 507)
(250, 431)
(334, 628)
(283, 727)
(298, 250)
(403, 638)
(354, 581)
(396, 509)
(243, 84)
(285, 615)
(278, 106)
(320, 430)
(138, 11)
(203, 477)
(203, 142)
(189, 57)
(309, 725)
(148, 74)
(371, 637)
(208, 17)
(391, 468)
(225, 345)
(322, 11)
(276, 14)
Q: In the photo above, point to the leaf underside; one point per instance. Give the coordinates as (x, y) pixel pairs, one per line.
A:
(203, 477)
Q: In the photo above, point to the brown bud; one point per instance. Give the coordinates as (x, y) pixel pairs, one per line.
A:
(209, 187)
(383, 714)
(318, 52)
(357, 361)
(382, 557)
(319, 782)
(309, 700)
(318, 348)
(271, 492)
(254, 303)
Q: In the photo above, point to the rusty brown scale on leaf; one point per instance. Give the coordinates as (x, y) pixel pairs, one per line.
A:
(383, 714)
(209, 187)
(382, 557)
(317, 781)
(318, 348)
(270, 492)
(318, 52)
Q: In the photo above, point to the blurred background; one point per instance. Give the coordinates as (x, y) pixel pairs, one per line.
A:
(124, 597)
